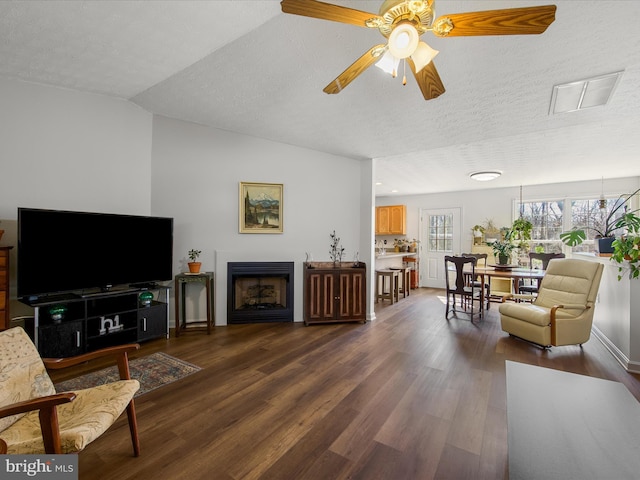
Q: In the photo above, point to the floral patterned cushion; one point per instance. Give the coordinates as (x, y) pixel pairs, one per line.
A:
(23, 376)
(22, 373)
(81, 421)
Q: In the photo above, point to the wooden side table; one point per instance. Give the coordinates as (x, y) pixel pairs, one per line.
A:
(181, 281)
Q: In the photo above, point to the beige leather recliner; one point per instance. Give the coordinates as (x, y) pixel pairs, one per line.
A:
(562, 313)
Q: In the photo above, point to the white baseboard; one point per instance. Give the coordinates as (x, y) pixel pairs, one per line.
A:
(633, 367)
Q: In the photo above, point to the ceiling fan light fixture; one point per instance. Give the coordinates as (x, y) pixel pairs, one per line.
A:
(485, 175)
(403, 40)
(423, 55)
(388, 63)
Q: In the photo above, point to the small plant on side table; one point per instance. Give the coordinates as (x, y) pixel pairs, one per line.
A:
(194, 265)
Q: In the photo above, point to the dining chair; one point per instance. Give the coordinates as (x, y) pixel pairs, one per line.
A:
(481, 262)
(535, 259)
(457, 271)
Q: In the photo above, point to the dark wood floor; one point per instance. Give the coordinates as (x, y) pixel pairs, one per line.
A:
(408, 396)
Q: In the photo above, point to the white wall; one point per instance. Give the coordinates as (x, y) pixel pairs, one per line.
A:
(68, 150)
(62, 149)
(196, 172)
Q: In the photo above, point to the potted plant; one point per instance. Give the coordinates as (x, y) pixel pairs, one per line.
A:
(604, 231)
(627, 247)
(399, 244)
(503, 249)
(194, 265)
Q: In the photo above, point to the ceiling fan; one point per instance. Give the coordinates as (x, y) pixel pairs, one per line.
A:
(402, 22)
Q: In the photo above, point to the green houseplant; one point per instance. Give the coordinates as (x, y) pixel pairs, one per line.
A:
(503, 248)
(627, 247)
(194, 265)
(604, 231)
(521, 232)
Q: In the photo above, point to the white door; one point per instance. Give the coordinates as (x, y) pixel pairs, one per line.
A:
(440, 236)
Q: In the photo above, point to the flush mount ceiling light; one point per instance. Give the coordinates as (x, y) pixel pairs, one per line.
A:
(592, 92)
(485, 176)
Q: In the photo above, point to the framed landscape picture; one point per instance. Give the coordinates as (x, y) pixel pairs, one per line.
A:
(260, 207)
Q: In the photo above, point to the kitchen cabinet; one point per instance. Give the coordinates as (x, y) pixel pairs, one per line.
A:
(391, 220)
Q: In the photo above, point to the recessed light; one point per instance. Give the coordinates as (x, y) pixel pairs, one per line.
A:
(485, 175)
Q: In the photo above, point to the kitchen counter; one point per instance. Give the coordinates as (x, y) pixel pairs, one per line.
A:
(391, 259)
(395, 255)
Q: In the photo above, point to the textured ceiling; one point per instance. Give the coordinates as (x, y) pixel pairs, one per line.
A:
(244, 66)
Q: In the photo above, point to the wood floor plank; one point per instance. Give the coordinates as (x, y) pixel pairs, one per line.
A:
(408, 396)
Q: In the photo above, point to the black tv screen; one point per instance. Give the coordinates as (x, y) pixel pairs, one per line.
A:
(63, 251)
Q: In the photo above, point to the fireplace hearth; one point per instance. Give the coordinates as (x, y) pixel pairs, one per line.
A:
(259, 292)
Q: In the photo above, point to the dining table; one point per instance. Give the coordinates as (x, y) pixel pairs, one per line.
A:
(515, 273)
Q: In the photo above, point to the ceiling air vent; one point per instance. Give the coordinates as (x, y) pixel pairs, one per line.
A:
(592, 92)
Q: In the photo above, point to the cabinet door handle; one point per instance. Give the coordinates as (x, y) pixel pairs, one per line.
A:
(77, 338)
(144, 324)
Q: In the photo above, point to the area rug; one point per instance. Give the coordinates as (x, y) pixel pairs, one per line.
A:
(152, 371)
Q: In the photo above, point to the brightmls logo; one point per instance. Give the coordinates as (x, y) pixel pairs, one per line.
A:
(51, 467)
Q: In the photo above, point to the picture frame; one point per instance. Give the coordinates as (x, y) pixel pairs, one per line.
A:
(260, 207)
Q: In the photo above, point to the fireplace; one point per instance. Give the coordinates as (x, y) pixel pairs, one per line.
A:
(259, 292)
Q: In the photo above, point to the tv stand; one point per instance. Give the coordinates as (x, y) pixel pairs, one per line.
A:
(144, 286)
(71, 324)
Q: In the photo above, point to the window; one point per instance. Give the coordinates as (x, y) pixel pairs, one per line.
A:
(441, 233)
(549, 221)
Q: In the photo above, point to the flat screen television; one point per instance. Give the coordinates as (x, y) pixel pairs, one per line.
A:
(63, 251)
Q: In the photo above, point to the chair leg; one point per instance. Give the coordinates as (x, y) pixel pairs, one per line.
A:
(133, 428)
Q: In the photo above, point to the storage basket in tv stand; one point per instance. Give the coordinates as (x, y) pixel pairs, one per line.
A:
(99, 320)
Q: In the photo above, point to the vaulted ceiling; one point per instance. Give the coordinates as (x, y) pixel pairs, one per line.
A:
(244, 66)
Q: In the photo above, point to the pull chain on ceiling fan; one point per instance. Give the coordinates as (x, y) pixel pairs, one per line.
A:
(402, 22)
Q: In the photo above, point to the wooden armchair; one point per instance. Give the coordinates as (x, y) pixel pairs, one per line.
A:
(34, 419)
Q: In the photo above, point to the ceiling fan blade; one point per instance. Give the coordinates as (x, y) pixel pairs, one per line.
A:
(327, 11)
(512, 21)
(356, 68)
(428, 80)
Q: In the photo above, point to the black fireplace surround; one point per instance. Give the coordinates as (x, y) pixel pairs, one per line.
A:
(259, 292)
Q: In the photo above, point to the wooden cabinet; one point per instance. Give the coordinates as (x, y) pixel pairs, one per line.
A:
(391, 220)
(5, 319)
(334, 294)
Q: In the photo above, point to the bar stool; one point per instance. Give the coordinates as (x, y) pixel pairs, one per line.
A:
(382, 293)
(413, 263)
(405, 280)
